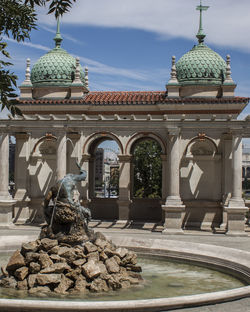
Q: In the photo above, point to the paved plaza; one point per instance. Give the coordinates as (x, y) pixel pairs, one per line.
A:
(150, 231)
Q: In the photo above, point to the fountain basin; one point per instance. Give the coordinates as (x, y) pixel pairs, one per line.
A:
(232, 261)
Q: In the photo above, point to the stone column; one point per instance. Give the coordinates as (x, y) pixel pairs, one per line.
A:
(124, 187)
(22, 153)
(226, 177)
(6, 201)
(236, 209)
(61, 159)
(164, 189)
(174, 208)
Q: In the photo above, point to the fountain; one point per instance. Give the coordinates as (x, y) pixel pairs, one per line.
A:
(69, 259)
(69, 256)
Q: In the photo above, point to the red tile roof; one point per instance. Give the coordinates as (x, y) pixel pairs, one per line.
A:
(134, 98)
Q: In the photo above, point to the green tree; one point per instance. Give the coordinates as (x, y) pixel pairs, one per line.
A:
(114, 179)
(17, 19)
(147, 170)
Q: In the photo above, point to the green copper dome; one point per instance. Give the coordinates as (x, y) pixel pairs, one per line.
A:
(55, 68)
(201, 65)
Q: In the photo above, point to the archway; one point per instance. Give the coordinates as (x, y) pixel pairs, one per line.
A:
(104, 177)
(146, 177)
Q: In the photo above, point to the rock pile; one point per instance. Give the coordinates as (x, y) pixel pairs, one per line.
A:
(45, 265)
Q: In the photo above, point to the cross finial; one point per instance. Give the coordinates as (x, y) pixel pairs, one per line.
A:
(201, 35)
(58, 38)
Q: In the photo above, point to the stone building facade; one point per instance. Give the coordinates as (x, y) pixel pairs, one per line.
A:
(194, 121)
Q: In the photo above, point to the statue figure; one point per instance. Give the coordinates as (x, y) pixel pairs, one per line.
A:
(66, 219)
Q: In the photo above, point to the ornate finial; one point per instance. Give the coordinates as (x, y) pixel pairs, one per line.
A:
(201, 35)
(86, 76)
(77, 79)
(27, 80)
(173, 78)
(58, 38)
(228, 71)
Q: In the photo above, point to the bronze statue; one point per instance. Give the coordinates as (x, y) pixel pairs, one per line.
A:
(66, 219)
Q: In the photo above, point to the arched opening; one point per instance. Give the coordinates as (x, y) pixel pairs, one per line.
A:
(200, 183)
(146, 177)
(104, 178)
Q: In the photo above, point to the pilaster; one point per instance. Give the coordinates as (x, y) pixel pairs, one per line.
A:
(124, 187)
(174, 208)
(61, 159)
(6, 201)
(236, 206)
(21, 210)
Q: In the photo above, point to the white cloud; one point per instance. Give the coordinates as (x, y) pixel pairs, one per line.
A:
(94, 66)
(226, 23)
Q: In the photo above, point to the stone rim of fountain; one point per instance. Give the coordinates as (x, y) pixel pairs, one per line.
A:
(230, 260)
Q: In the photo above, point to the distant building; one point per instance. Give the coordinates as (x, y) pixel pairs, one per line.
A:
(246, 162)
(99, 166)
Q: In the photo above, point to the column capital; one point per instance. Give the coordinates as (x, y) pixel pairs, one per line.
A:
(125, 158)
(73, 135)
(22, 135)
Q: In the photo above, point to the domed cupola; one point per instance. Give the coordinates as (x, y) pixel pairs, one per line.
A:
(57, 74)
(201, 71)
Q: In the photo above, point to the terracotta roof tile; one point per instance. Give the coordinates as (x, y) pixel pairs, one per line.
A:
(134, 98)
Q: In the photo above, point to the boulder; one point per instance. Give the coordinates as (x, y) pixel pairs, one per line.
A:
(89, 247)
(112, 266)
(56, 258)
(79, 262)
(134, 268)
(98, 285)
(80, 284)
(8, 282)
(34, 267)
(103, 256)
(46, 279)
(47, 243)
(74, 274)
(54, 250)
(29, 247)
(31, 257)
(22, 285)
(16, 261)
(101, 243)
(121, 252)
(91, 269)
(93, 256)
(4, 271)
(32, 280)
(67, 253)
(64, 285)
(59, 267)
(44, 260)
(21, 273)
(130, 258)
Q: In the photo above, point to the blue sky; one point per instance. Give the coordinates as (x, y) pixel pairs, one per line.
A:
(127, 45)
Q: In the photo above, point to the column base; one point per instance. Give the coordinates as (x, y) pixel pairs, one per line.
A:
(6, 212)
(124, 210)
(236, 220)
(174, 210)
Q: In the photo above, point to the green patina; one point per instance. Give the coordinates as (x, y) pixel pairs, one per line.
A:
(201, 65)
(55, 68)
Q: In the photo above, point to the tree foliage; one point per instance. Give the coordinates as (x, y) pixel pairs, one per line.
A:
(17, 19)
(147, 170)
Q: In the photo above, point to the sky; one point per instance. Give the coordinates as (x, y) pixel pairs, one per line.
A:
(128, 45)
